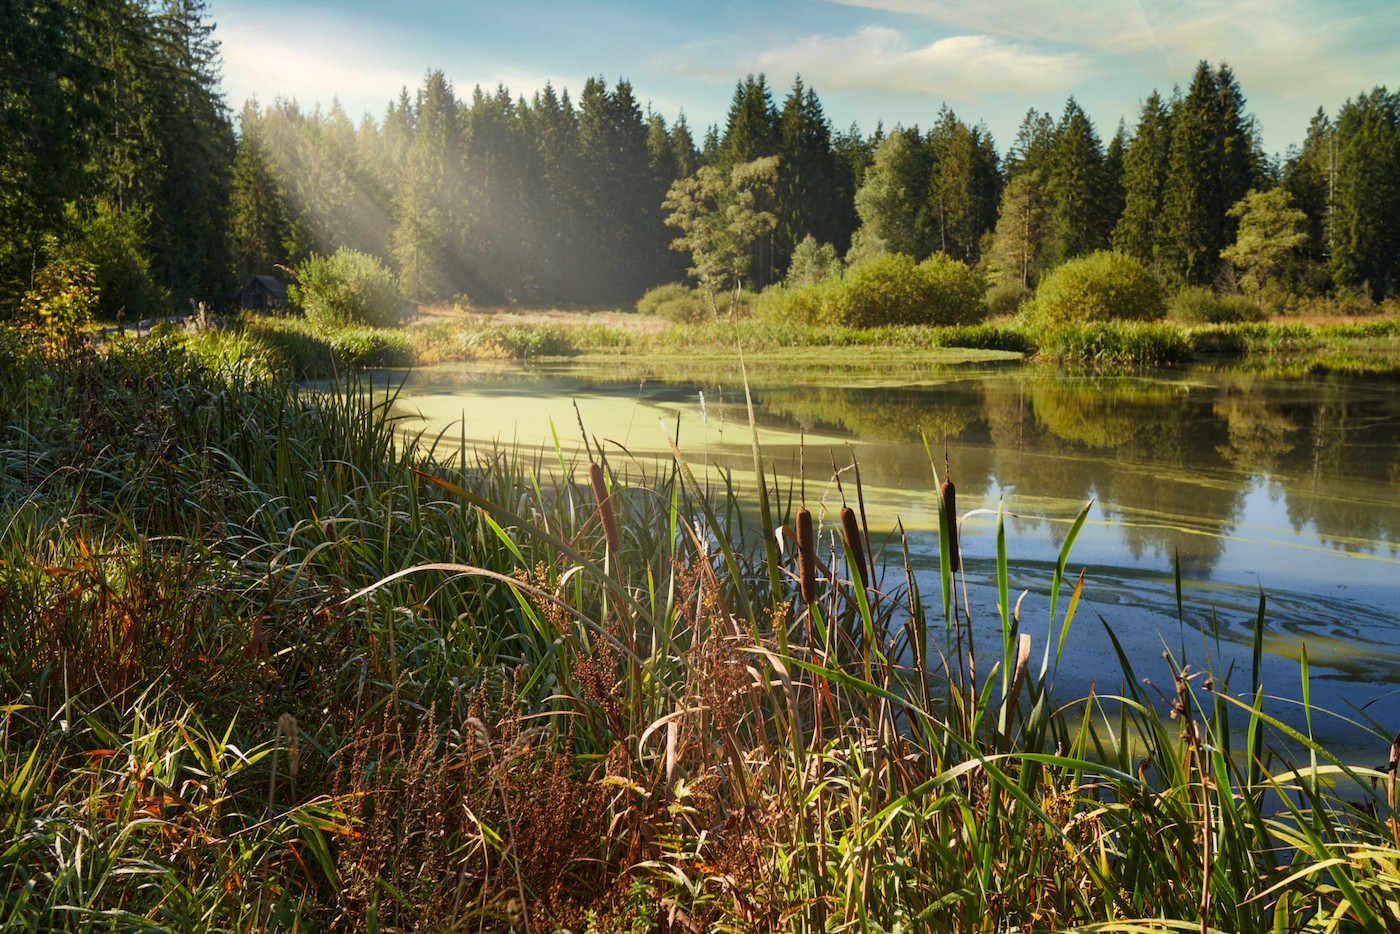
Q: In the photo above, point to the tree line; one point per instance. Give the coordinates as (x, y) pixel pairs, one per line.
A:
(120, 151)
(117, 149)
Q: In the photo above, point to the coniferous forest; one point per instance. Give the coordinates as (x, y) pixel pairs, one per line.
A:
(121, 151)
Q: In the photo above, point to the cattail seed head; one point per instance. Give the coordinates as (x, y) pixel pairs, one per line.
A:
(605, 510)
(807, 555)
(949, 494)
(850, 531)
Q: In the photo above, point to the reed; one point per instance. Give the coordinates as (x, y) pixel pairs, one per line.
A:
(502, 720)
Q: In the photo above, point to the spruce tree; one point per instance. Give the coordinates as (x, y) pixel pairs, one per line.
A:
(1145, 164)
(751, 127)
(810, 189)
(962, 190)
(1308, 176)
(1075, 187)
(1366, 193)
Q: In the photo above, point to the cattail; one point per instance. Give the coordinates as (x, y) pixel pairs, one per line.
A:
(807, 555)
(949, 494)
(605, 510)
(850, 530)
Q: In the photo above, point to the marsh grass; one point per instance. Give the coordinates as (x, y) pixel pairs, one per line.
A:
(500, 719)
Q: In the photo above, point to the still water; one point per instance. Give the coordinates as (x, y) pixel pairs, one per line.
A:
(1281, 485)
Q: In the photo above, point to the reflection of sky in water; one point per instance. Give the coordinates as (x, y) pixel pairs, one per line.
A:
(1292, 486)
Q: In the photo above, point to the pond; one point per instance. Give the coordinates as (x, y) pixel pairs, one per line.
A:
(1287, 486)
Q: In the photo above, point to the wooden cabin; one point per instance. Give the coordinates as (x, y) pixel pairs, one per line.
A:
(263, 293)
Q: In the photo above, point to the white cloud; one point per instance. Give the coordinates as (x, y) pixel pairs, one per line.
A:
(1280, 44)
(965, 68)
(312, 66)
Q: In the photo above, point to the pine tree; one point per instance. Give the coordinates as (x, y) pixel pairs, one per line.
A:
(1145, 163)
(1308, 176)
(961, 197)
(257, 216)
(44, 153)
(1214, 162)
(428, 226)
(751, 128)
(810, 189)
(189, 220)
(1075, 187)
(1020, 243)
(1366, 194)
(1114, 195)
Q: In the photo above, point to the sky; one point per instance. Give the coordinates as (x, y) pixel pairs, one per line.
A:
(870, 61)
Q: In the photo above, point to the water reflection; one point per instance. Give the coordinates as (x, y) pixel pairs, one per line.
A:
(1289, 484)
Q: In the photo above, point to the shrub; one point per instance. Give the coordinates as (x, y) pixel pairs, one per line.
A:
(59, 307)
(786, 303)
(892, 289)
(1197, 304)
(1006, 298)
(676, 302)
(1102, 286)
(346, 288)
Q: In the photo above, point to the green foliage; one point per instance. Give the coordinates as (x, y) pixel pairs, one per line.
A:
(1366, 192)
(1102, 286)
(345, 288)
(115, 244)
(58, 308)
(721, 216)
(813, 262)
(1116, 343)
(1197, 304)
(797, 304)
(1006, 298)
(893, 289)
(675, 301)
(1271, 237)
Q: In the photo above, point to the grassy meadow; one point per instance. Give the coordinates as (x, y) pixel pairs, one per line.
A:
(270, 666)
(1362, 344)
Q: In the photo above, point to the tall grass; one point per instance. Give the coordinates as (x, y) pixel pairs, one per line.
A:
(273, 666)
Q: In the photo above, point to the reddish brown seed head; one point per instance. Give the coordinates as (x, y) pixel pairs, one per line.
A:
(605, 510)
(949, 495)
(807, 555)
(850, 531)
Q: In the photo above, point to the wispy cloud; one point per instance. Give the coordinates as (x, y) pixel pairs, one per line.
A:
(967, 68)
(311, 66)
(1278, 43)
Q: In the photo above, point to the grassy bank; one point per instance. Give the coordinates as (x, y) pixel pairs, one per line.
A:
(270, 667)
(1365, 345)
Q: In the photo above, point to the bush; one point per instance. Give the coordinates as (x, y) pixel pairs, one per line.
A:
(346, 288)
(676, 302)
(59, 307)
(786, 303)
(1197, 304)
(1006, 298)
(1102, 286)
(892, 289)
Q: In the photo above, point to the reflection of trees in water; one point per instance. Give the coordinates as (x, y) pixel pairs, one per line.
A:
(1171, 461)
(1341, 478)
(882, 414)
(1143, 449)
(1260, 431)
(1100, 413)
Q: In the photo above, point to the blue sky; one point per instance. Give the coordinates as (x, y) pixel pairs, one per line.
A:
(869, 60)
